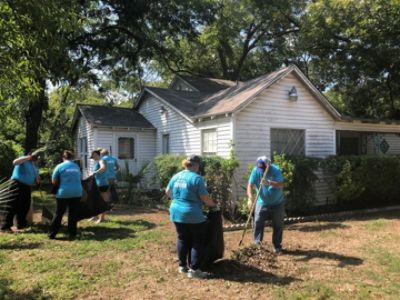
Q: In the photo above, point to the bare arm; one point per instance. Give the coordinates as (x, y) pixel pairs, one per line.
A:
(21, 159)
(102, 168)
(168, 192)
(207, 201)
(250, 195)
(275, 184)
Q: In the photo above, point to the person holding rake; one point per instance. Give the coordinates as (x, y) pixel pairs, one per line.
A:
(270, 202)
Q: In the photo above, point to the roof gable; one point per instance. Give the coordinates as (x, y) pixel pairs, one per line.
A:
(230, 100)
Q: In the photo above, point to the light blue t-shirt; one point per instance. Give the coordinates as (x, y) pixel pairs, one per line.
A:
(25, 173)
(101, 178)
(186, 188)
(269, 195)
(112, 164)
(68, 174)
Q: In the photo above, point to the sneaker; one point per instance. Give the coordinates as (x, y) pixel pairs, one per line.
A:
(183, 269)
(278, 251)
(197, 274)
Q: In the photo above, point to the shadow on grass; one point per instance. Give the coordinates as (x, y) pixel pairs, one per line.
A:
(234, 270)
(7, 293)
(100, 233)
(307, 255)
(140, 223)
(19, 246)
(314, 227)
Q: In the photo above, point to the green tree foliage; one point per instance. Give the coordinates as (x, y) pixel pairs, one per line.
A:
(70, 42)
(244, 39)
(36, 44)
(353, 46)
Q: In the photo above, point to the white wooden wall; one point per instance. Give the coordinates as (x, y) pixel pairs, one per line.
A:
(185, 137)
(272, 109)
(84, 130)
(144, 145)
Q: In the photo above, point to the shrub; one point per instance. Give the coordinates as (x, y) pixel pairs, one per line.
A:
(8, 152)
(365, 180)
(130, 192)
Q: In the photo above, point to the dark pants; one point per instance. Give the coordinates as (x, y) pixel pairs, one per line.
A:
(62, 205)
(113, 191)
(19, 205)
(190, 243)
(277, 214)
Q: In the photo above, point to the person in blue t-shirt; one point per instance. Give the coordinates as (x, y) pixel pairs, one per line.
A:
(67, 176)
(100, 176)
(111, 172)
(270, 202)
(188, 193)
(112, 167)
(25, 174)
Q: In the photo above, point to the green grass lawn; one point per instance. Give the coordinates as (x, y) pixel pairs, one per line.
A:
(132, 256)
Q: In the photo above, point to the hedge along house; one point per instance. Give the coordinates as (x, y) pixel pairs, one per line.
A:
(124, 132)
(279, 112)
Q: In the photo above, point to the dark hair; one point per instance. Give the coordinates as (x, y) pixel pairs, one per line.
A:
(95, 152)
(67, 154)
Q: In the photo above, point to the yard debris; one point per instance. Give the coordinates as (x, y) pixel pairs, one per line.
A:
(254, 255)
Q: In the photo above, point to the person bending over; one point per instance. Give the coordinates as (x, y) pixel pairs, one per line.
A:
(270, 202)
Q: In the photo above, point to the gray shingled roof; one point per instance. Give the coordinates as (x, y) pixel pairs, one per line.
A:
(208, 85)
(113, 116)
(202, 104)
(195, 104)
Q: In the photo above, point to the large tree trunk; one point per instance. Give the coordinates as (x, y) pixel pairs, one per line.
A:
(33, 117)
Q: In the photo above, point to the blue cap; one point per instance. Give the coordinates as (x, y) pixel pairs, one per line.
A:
(194, 159)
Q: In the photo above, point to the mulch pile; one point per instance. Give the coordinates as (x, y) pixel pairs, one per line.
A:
(259, 257)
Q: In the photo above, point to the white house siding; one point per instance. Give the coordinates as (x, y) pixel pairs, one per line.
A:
(185, 137)
(144, 145)
(390, 132)
(272, 109)
(84, 129)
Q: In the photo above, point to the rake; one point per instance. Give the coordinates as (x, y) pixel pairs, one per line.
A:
(253, 205)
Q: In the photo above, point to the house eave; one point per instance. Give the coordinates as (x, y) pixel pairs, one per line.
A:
(121, 127)
(208, 117)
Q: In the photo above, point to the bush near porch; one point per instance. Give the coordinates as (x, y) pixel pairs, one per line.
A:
(359, 181)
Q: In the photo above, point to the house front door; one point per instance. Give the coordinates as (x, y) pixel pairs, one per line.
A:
(127, 152)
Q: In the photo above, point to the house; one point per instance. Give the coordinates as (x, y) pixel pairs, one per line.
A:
(278, 112)
(124, 132)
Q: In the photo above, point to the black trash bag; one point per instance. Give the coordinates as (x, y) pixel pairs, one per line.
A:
(214, 248)
(91, 204)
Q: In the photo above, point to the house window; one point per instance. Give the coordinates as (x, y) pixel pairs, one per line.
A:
(288, 141)
(209, 141)
(83, 151)
(351, 142)
(165, 144)
(126, 148)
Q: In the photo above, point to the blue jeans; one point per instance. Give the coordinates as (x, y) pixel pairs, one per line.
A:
(190, 243)
(261, 214)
